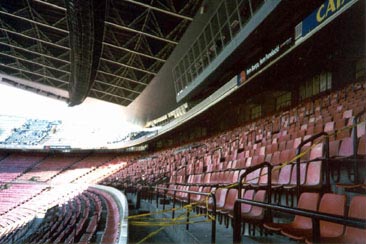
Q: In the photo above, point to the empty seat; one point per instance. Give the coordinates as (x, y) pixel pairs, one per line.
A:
(361, 148)
(361, 129)
(256, 214)
(283, 178)
(351, 234)
(220, 199)
(307, 201)
(228, 207)
(329, 203)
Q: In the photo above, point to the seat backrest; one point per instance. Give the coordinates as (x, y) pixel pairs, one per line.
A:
(284, 156)
(356, 210)
(205, 189)
(329, 127)
(289, 144)
(269, 148)
(231, 197)
(332, 204)
(340, 123)
(260, 196)
(346, 147)
(253, 177)
(275, 158)
(303, 168)
(227, 177)
(263, 178)
(334, 148)
(275, 173)
(235, 176)
(274, 147)
(221, 197)
(297, 142)
(347, 114)
(361, 129)
(307, 201)
(316, 151)
(248, 195)
(285, 174)
(361, 148)
(314, 174)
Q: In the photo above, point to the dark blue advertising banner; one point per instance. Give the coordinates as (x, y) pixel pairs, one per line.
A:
(323, 12)
(264, 60)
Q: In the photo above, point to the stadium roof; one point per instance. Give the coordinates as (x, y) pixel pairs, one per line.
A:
(109, 50)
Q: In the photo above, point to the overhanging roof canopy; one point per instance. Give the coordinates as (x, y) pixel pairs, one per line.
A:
(109, 50)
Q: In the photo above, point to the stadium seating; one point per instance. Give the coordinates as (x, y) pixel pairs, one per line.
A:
(31, 133)
(217, 162)
(327, 229)
(77, 220)
(32, 189)
(210, 165)
(13, 166)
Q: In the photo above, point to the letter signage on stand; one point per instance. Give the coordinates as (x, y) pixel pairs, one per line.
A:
(263, 60)
(323, 12)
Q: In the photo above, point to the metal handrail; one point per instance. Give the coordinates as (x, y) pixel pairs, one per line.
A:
(298, 151)
(268, 186)
(236, 139)
(315, 215)
(216, 149)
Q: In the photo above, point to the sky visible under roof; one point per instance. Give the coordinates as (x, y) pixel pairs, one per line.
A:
(92, 113)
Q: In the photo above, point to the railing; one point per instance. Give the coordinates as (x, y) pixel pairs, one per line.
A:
(213, 152)
(269, 179)
(212, 195)
(233, 141)
(298, 152)
(316, 217)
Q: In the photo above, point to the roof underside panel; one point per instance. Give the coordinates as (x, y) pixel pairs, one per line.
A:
(136, 37)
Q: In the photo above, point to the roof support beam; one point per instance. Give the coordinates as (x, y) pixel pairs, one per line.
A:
(140, 32)
(117, 87)
(32, 62)
(50, 5)
(33, 52)
(133, 51)
(111, 94)
(34, 22)
(160, 10)
(34, 39)
(33, 73)
(123, 78)
(128, 66)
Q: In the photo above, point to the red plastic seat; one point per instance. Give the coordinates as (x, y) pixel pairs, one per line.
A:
(361, 148)
(203, 200)
(220, 199)
(334, 148)
(329, 127)
(245, 208)
(289, 188)
(252, 178)
(284, 176)
(256, 214)
(275, 160)
(361, 129)
(308, 201)
(228, 207)
(330, 203)
(351, 234)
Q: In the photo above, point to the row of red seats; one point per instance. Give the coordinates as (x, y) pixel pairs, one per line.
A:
(301, 228)
(16, 199)
(13, 165)
(298, 124)
(77, 220)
